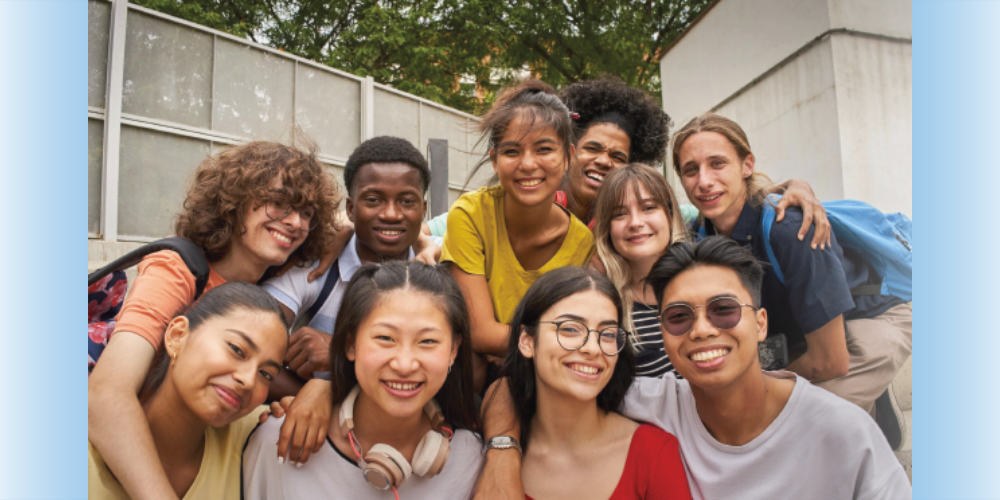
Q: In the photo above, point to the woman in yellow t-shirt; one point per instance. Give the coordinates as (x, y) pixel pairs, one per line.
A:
(502, 238)
(203, 396)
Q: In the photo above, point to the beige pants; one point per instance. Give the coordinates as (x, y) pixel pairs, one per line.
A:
(878, 347)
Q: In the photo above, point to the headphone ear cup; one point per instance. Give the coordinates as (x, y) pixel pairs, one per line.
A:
(426, 453)
(385, 460)
(440, 459)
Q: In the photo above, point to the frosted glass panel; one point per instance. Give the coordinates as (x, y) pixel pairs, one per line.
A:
(440, 124)
(328, 109)
(397, 116)
(155, 171)
(168, 71)
(98, 31)
(253, 92)
(95, 160)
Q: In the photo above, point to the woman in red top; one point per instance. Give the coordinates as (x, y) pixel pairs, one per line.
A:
(568, 372)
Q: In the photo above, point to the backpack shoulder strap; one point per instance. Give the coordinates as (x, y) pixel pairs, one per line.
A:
(190, 253)
(332, 277)
(768, 220)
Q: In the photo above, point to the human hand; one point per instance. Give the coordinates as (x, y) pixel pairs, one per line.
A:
(306, 423)
(308, 352)
(426, 250)
(799, 194)
(277, 408)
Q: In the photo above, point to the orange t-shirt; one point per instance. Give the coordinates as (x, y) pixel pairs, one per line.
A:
(161, 290)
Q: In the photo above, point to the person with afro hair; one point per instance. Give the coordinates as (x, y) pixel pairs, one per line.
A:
(615, 125)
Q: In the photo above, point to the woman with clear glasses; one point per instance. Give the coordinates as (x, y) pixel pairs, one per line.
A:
(568, 367)
(250, 207)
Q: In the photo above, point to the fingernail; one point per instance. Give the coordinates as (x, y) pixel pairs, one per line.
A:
(800, 237)
(814, 246)
(823, 246)
(298, 465)
(281, 460)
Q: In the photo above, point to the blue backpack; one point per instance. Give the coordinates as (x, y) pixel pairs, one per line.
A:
(885, 241)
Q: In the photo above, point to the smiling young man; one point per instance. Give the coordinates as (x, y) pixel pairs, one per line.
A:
(386, 179)
(743, 432)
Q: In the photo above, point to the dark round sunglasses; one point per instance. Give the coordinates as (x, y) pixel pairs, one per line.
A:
(723, 313)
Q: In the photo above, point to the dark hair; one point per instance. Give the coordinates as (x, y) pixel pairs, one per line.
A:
(369, 285)
(552, 287)
(712, 251)
(609, 100)
(385, 149)
(217, 302)
(226, 185)
(532, 99)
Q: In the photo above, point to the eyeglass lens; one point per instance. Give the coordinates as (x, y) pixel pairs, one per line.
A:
(573, 335)
(723, 313)
(278, 211)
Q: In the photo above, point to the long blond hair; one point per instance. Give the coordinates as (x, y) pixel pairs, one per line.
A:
(757, 185)
(610, 198)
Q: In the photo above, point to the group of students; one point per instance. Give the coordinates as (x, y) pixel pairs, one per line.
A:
(571, 303)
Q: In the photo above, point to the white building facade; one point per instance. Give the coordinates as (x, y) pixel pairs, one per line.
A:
(823, 89)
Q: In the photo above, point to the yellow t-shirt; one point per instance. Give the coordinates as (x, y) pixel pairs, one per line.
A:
(218, 477)
(477, 242)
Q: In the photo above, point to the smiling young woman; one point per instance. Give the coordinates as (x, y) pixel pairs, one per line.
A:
(203, 396)
(402, 389)
(502, 238)
(568, 370)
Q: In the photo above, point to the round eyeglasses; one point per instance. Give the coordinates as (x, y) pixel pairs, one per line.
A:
(278, 207)
(572, 335)
(723, 313)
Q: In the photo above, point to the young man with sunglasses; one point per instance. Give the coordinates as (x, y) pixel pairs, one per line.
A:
(386, 179)
(743, 432)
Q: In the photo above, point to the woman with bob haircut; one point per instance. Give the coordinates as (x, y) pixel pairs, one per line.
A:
(637, 219)
(248, 208)
(404, 408)
(851, 344)
(503, 237)
(568, 370)
(203, 396)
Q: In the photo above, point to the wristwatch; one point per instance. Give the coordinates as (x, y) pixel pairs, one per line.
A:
(502, 443)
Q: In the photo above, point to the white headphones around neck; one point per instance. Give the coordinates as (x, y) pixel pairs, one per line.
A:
(384, 466)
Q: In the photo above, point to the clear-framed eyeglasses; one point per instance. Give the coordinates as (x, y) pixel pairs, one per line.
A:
(572, 335)
(278, 207)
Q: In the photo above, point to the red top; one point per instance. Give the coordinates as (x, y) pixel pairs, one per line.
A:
(653, 468)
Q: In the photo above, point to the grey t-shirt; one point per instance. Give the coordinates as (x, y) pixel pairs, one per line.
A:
(331, 475)
(820, 446)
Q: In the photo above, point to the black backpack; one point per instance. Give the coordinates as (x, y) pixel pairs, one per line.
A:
(106, 289)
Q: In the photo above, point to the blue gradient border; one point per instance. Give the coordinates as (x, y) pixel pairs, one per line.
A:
(956, 140)
(43, 150)
(43, 136)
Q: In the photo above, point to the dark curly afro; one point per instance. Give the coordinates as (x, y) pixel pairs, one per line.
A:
(385, 149)
(610, 100)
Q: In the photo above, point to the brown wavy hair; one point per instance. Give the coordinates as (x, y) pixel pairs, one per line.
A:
(228, 185)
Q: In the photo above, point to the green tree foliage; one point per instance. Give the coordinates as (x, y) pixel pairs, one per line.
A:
(459, 52)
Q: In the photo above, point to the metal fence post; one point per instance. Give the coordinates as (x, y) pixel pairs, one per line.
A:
(367, 108)
(437, 151)
(113, 121)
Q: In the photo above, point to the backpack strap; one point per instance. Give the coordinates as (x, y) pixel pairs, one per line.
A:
(768, 220)
(332, 277)
(190, 253)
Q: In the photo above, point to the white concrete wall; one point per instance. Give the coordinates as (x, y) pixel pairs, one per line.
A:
(733, 43)
(874, 97)
(883, 17)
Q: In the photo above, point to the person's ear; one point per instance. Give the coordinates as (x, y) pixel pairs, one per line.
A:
(761, 324)
(350, 209)
(748, 164)
(493, 159)
(572, 156)
(178, 331)
(454, 348)
(351, 355)
(526, 344)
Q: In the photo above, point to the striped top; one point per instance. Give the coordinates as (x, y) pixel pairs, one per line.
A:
(651, 360)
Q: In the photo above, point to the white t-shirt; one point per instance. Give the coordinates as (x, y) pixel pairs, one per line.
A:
(820, 446)
(331, 475)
